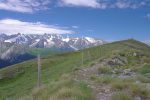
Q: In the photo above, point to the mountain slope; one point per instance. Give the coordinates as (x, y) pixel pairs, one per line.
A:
(11, 53)
(18, 81)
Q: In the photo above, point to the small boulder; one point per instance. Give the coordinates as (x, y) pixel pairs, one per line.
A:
(127, 72)
(134, 54)
(137, 98)
(147, 75)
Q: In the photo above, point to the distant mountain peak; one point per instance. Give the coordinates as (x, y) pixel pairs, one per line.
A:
(51, 40)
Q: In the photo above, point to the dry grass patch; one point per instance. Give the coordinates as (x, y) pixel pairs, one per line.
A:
(139, 90)
(119, 84)
(143, 79)
(105, 79)
(121, 96)
(104, 70)
(40, 93)
(67, 94)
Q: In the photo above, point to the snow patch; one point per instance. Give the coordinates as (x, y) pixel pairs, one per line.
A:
(91, 40)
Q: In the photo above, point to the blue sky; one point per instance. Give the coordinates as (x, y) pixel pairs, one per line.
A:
(105, 19)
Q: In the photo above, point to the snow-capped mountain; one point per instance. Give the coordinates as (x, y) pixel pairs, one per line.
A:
(51, 40)
(84, 42)
(147, 42)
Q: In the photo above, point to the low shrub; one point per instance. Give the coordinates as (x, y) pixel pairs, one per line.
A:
(145, 69)
(104, 70)
(93, 77)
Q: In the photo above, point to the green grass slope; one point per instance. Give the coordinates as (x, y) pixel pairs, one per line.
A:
(43, 51)
(18, 82)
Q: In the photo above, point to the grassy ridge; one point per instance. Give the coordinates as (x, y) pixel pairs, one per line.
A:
(19, 80)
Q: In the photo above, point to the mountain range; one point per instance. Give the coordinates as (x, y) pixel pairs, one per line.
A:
(51, 40)
(19, 47)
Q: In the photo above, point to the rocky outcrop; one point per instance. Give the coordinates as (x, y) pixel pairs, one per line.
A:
(117, 61)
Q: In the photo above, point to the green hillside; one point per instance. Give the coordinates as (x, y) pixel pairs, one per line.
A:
(18, 82)
(43, 51)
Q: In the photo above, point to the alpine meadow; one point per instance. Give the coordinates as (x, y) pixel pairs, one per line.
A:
(74, 50)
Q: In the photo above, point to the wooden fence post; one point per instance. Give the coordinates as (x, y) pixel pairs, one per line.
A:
(39, 72)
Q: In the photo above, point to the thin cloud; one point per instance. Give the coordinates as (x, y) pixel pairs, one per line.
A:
(148, 15)
(75, 27)
(84, 3)
(11, 26)
(131, 4)
(104, 4)
(30, 6)
(24, 6)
